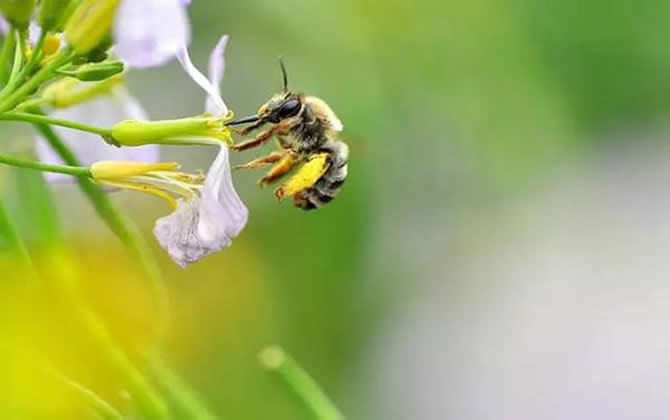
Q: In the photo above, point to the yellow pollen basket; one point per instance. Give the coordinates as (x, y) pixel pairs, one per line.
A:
(306, 176)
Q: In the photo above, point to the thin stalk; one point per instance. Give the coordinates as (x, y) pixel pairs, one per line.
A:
(18, 60)
(11, 236)
(46, 73)
(45, 119)
(46, 167)
(25, 71)
(123, 227)
(185, 402)
(102, 407)
(300, 382)
(6, 56)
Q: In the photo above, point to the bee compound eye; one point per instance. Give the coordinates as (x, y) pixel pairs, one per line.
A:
(289, 108)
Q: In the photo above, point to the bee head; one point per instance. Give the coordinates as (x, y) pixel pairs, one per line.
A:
(281, 106)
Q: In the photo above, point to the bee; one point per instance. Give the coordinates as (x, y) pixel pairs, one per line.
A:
(306, 130)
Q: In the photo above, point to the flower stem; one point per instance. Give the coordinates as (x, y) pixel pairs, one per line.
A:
(46, 167)
(17, 62)
(300, 382)
(185, 402)
(126, 231)
(94, 400)
(25, 71)
(6, 55)
(46, 73)
(11, 237)
(45, 119)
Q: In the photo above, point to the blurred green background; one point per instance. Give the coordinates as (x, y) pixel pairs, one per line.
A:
(452, 111)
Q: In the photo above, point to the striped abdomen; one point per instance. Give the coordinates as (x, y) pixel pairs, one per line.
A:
(330, 183)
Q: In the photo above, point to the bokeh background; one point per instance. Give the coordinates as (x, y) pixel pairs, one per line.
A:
(499, 250)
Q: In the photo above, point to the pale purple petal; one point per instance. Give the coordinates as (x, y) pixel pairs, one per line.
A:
(220, 107)
(206, 224)
(177, 233)
(4, 25)
(148, 33)
(217, 65)
(103, 111)
(185, 2)
(34, 32)
(222, 213)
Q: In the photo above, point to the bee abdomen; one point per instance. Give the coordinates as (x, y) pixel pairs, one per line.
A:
(330, 183)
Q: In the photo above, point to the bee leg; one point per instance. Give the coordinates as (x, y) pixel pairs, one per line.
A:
(248, 129)
(306, 176)
(261, 138)
(262, 161)
(279, 170)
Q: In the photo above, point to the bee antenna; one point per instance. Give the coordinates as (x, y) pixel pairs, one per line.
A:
(283, 73)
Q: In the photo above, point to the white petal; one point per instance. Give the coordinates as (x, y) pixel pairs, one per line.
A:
(202, 81)
(217, 66)
(222, 213)
(4, 25)
(103, 111)
(149, 33)
(207, 224)
(177, 233)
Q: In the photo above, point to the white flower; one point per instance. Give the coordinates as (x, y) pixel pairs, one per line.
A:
(148, 33)
(206, 223)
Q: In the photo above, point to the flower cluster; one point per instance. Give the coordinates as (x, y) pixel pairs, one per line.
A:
(72, 57)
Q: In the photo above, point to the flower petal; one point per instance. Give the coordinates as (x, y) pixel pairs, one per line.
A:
(217, 65)
(222, 213)
(103, 111)
(206, 224)
(4, 25)
(219, 107)
(148, 33)
(177, 233)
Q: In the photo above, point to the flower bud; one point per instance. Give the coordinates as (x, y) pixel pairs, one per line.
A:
(197, 130)
(68, 92)
(110, 169)
(18, 12)
(51, 13)
(90, 24)
(95, 72)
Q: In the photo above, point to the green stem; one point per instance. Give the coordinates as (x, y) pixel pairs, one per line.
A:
(186, 403)
(124, 228)
(45, 119)
(18, 60)
(299, 381)
(46, 73)
(6, 55)
(46, 167)
(10, 234)
(106, 410)
(25, 71)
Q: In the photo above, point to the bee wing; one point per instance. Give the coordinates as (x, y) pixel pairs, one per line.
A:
(335, 123)
(321, 107)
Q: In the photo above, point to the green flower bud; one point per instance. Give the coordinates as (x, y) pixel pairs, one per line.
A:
(51, 13)
(18, 12)
(196, 130)
(94, 72)
(90, 24)
(67, 92)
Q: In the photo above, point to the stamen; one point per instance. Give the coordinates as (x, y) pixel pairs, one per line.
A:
(145, 188)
